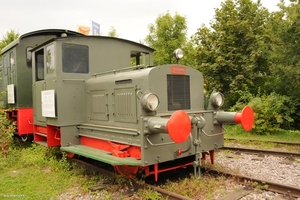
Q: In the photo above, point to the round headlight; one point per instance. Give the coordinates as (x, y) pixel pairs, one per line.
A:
(150, 101)
(217, 99)
(178, 53)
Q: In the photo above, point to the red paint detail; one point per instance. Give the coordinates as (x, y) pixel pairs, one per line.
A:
(49, 134)
(126, 170)
(23, 118)
(180, 70)
(179, 126)
(204, 155)
(212, 156)
(25, 121)
(245, 118)
(179, 152)
(117, 149)
(156, 170)
(70, 155)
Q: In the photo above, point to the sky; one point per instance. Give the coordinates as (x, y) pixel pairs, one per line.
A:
(130, 18)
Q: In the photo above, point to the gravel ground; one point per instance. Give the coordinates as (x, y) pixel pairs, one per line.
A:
(271, 168)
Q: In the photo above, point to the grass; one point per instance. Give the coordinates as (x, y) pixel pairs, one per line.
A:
(243, 138)
(235, 131)
(206, 187)
(36, 173)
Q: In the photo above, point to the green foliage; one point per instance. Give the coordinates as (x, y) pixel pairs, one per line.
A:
(285, 60)
(167, 34)
(234, 54)
(8, 38)
(272, 112)
(149, 194)
(112, 32)
(7, 129)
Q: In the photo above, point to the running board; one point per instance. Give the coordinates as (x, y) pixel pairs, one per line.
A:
(101, 155)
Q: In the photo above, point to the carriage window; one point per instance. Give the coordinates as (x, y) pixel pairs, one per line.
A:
(75, 58)
(28, 57)
(39, 60)
(12, 61)
(5, 64)
(50, 65)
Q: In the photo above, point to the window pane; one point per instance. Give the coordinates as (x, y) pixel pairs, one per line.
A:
(139, 58)
(12, 60)
(39, 60)
(75, 58)
(50, 64)
(28, 57)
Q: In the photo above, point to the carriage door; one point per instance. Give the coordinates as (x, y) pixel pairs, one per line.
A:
(39, 85)
(8, 77)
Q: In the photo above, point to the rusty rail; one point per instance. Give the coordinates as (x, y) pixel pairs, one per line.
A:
(265, 185)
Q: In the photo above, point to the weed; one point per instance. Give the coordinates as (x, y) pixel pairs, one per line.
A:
(7, 129)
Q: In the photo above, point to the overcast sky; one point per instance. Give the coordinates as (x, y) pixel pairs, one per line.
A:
(130, 18)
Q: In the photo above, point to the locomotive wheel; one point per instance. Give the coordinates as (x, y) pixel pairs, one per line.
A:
(126, 170)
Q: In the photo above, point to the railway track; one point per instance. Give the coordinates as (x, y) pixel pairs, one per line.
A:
(265, 185)
(250, 183)
(261, 151)
(265, 141)
(165, 194)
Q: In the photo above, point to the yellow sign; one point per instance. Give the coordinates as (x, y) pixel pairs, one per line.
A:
(84, 29)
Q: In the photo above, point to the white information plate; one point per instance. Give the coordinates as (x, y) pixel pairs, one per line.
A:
(48, 103)
(11, 94)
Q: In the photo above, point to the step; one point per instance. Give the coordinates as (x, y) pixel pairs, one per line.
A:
(101, 155)
(42, 143)
(41, 134)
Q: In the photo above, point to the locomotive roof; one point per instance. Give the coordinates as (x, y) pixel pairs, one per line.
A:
(103, 37)
(56, 32)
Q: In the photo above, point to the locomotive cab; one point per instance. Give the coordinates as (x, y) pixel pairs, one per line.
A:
(61, 67)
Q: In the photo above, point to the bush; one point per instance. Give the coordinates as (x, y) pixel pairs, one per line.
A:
(7, 129)
(272, 112)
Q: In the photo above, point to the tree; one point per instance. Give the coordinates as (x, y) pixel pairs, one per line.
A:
(8, 38)
(165, 35)
(234, 53)
(285, 66)
(112, 32)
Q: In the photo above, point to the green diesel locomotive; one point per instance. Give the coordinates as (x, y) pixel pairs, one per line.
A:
(102, 98)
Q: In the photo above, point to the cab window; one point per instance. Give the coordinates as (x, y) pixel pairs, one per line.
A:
(139, 58)
(75, 58)
(50, 59)
(39, 61)
(29, 57)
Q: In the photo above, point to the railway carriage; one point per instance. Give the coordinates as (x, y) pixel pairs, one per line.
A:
(17, 77)
(102, 98)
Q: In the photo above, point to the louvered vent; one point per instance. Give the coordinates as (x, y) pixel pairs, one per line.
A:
(178, 92)
(99, 107)
(125, 105)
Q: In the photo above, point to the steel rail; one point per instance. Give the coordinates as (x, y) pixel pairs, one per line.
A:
(271, 186)
(166, 194)
(266, 141)
(261, 151)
